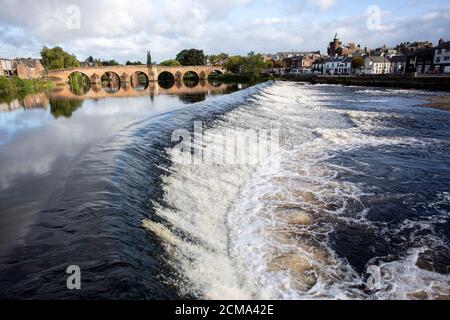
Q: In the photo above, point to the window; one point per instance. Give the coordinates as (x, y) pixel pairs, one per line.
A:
(439, 51)
(447, 58)
(438, 59)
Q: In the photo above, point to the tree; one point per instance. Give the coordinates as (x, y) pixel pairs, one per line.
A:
(234, 64)
(281, 64)
(57, 58)
(217, 60)
(251, 66)
(109, 63)
(357, 63)
(170, 63)
(254, 65)
(93, 62)
(136, 63)
(192, 57)
(149, 59)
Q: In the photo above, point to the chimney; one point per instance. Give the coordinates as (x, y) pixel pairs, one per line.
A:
(441, 41)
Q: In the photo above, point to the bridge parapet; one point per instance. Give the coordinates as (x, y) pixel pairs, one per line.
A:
(126, 72)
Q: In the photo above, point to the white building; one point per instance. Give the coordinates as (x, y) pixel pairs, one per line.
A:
(442, 56)
(376, 65)
(6, 67)
(338, 66)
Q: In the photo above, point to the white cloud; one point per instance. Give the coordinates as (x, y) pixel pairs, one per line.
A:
(323, 5)
(127, 29)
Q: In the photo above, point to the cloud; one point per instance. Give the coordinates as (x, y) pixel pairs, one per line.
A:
(323, 5)
(125, 30)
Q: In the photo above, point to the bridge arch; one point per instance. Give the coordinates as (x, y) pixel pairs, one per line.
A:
(166, 76)
(79, 82)
(191, 79)
(139, 80)
(214, 73)
(75, 73)
(110, 81)
(191, 75)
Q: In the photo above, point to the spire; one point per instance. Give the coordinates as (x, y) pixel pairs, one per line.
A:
(336, 37)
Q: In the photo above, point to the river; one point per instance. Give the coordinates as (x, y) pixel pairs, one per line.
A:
(353, 204)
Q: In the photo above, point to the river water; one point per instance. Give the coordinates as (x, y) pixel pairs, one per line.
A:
(356, 205)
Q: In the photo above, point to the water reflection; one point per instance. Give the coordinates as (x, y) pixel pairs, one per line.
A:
(64, 107)
(64, 100)
(139, 81)
(79, 83)
(111, 82)
(42, 136)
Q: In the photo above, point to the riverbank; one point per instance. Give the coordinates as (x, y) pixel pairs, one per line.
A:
(441, 83)
(439, 102)
(16, 87)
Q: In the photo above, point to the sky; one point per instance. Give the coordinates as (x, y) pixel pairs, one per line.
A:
(126, 30)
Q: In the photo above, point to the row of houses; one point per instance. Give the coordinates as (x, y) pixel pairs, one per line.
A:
(23, 68)
(344, 66)
(415, 57)
(429, 60)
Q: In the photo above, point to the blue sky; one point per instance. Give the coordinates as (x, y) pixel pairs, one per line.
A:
(122, 30)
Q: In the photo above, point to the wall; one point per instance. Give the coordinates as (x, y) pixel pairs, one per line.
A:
(441, 83)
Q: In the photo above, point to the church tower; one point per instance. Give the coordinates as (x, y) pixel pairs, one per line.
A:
(335, 47)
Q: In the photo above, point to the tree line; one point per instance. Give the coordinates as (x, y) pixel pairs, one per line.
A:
(251, 66)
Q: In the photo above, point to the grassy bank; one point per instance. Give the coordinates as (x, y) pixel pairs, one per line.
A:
(16, 87)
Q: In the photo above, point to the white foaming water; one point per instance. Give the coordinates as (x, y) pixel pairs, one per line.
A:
(260, 232)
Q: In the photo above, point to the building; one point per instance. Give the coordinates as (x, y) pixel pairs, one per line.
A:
(318, 66)
(6, 68)
(376, 65)
(407, 48)
(281, 56)
(303, 63)
(338, 66)
(28, 68)
(335, 48)
(420, 61)
(442, 56)
(398, 64)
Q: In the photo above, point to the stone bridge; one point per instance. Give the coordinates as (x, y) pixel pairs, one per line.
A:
(126, 73)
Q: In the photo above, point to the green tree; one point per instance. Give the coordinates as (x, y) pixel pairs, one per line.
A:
(149, 59)
(110, 63)
(170, 63)
(251, 66)
(93, 62)
(254, 65)
(357, 63)
(57, 58)
(191, 57)
(134, 63)
(234, 64)
(216, 60)
(64, 107)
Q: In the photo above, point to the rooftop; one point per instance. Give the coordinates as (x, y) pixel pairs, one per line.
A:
(445, 45)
